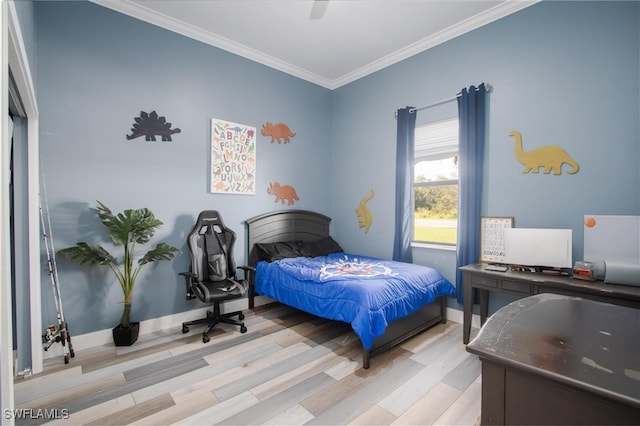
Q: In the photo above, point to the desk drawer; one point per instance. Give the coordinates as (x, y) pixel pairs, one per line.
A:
(517, 287)
(480, 280)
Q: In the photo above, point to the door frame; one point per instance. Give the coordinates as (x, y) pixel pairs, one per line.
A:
(14, 55)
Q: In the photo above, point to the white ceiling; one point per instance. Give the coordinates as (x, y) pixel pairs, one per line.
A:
(329, 43)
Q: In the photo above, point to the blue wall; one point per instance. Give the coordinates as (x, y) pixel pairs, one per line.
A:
(564, 73)
(96, 70)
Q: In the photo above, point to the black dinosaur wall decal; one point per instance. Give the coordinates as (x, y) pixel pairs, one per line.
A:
(151, 125)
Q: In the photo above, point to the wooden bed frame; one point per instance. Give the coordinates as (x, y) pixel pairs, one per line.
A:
(303, 225)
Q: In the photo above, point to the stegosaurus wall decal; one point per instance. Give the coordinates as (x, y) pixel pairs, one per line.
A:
(151, 125)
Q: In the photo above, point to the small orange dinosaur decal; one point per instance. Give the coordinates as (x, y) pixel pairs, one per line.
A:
(277, 131)
(282, 193)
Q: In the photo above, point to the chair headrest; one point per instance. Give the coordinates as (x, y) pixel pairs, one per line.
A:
(207, 217)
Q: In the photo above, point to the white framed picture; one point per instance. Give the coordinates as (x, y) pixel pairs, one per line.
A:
(492, 244)
(233, 158)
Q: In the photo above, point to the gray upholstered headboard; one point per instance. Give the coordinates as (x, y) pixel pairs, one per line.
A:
(286, 225)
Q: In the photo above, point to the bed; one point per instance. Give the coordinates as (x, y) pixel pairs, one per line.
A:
(298, 263)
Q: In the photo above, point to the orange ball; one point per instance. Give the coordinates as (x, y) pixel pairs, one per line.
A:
(590, 222)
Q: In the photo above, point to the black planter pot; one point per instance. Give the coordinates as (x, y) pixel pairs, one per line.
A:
(126, 336)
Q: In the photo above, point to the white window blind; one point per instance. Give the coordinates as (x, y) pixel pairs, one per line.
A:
(436, 140)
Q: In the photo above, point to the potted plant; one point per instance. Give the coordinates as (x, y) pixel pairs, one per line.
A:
(126, 229)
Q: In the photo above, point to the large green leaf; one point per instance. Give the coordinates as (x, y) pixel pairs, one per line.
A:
(162, 251)
(130, 226)
(84, 254)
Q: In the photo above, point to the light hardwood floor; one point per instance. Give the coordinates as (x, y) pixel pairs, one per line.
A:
(289, 368)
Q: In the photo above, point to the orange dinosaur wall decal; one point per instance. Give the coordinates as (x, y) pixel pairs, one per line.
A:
(282, 193)
(550, 157)
(277, 131)
(364, 214)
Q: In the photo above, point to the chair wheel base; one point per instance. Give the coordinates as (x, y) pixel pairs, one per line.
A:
(214, 318)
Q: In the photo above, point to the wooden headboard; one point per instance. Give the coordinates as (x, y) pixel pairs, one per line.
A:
(286, 225)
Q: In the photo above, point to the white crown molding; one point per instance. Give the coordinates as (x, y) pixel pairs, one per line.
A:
(490, 15)
(152, 17)
(145, 14)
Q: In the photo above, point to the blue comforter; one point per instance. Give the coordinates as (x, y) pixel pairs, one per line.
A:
(367, 292)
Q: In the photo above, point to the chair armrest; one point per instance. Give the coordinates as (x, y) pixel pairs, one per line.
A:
(190, 279)
(249, 272)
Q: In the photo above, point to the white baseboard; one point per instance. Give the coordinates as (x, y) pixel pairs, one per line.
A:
(457, 316)
(105, 338)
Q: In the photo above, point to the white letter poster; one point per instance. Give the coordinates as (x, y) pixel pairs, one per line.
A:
(233, 158)
(492, 238)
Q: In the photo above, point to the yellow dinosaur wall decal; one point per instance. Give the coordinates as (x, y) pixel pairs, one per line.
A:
(550, 157)
(364, 214)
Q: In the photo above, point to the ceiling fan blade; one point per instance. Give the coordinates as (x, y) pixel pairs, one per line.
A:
(318, 9)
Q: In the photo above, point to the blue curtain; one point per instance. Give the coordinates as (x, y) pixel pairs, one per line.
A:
(406, 121)
(472, 119)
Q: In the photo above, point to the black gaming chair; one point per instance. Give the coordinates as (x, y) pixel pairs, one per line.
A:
(212, 274)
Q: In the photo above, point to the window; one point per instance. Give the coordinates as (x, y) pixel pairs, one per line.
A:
(435, 212)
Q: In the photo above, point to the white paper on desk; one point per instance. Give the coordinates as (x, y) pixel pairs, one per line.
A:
(612, 238)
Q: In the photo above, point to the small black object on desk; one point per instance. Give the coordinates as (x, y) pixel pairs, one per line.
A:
(497, 267)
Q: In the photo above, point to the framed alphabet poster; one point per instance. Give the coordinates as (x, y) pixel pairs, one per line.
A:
(233, 158)
(492, 238)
